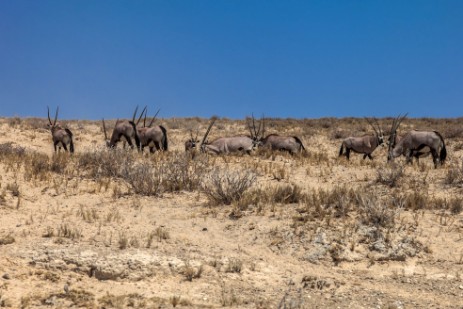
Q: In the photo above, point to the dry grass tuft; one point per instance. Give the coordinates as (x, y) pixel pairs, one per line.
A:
(374, 212)
(389, 175)
(6, 239)
(226, 186)
(454, 175)
(234, 266)
(191, 272)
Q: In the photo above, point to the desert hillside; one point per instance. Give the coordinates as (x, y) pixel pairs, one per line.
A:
(115, 228)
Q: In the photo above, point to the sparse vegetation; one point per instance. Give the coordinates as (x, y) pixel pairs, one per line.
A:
(224, 186)
(115, 215)
(6, 239)
(191, 272)
(454, 175)
(234, 265)
(390, 175)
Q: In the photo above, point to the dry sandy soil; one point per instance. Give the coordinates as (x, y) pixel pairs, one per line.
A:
(106, 229)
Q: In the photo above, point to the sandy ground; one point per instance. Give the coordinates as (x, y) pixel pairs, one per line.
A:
(69, 241)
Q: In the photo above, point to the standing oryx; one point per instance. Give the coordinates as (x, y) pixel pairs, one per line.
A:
(61, 136)
(416, 142)
(124, 130)
(426, 151)
(223, 145)
(363, 144)
(292, 144)
(152, 137)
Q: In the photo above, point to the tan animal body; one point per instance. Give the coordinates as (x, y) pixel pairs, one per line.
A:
(62, 137)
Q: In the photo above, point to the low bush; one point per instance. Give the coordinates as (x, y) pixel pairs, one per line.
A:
(225, 186)
(389, 175)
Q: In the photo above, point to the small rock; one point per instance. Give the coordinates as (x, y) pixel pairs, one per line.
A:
(6, 276)
(204, 229)
(461, 287)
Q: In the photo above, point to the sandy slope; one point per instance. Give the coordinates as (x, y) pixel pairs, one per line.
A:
(260, 260)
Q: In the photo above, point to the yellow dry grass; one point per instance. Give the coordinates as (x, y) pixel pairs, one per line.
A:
(118, 229)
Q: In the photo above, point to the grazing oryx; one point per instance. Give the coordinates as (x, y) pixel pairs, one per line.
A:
(363, 144)
(292, 144)
(124, 130)
(223, 145)
(426, 151)
(190, 144)
(61, 136)
(152, 137)
(415, 142)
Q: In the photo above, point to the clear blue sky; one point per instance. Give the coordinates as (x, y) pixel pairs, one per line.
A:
(230, 58)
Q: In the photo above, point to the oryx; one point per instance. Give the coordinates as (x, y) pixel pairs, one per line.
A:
(153, 137)
(292, 144)
(426, 151)
(363, 144)
(415, 142)
(191, 143)
(124, 130)
(224, 145)
(62, 137)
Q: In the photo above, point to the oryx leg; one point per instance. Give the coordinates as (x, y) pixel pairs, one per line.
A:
(409, 156)
(435, 157)
(369, 156)
(129, 141)
(347, 153)
(65, 147)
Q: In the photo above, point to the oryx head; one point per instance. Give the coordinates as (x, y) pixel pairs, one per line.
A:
(257, 135)
(392, 137)
(191, 143)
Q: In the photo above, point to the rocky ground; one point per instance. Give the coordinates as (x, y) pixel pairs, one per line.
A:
(118, 229)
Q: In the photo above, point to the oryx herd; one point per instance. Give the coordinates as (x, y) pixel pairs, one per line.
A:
(413, 144)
